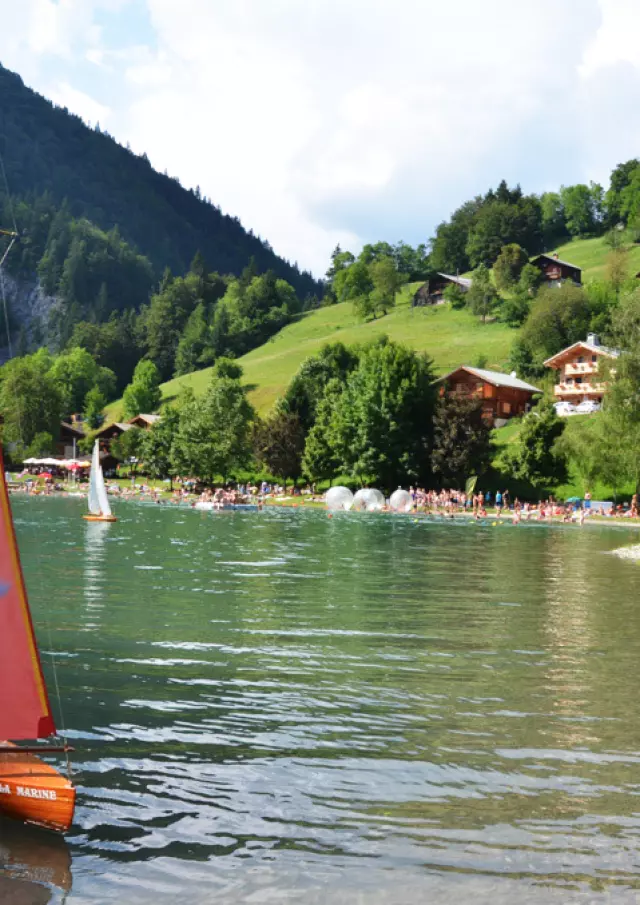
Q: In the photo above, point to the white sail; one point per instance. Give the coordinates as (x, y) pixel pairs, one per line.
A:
(94, 501)
(98, 499)
(101, 490)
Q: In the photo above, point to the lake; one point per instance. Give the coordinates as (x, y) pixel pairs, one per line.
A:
(285, 707)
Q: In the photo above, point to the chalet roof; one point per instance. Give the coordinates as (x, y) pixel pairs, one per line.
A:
(72, 429)
(463, 282)
(148, 419)
(555, 260)
(583, 344)
(496, 378)
(123, 426)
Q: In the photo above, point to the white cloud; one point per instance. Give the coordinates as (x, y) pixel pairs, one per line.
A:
(359, 120)
(617, 38)
(90, 110)
(348, 120)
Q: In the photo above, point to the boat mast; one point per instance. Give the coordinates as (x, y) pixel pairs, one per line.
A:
(14, 238)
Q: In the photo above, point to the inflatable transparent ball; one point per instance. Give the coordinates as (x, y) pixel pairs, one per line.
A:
(338, 498)
(368, 500)
(401, 501)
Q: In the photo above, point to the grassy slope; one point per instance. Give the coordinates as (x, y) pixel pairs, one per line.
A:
(591, 255)
(450, 337)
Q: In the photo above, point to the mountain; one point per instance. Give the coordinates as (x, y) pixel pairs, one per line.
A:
(50, 153)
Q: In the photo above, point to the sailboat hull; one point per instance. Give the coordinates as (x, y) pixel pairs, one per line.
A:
(34, 792)
(100, 518)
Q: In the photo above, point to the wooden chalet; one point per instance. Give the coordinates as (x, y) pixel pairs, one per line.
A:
(144, 421)
(579, 376)
(68, 439)
(111, 432)
(556, 271)
(432, 292)
(503, 395)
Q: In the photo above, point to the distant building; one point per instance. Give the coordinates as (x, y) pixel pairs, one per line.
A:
(432, 292)
(110, 432)
(577, 370)
(503, 395)
(556, 271)
(68, 439)
(144, 421)
(115, 429)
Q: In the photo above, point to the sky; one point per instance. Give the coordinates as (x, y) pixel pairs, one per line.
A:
(320, 122)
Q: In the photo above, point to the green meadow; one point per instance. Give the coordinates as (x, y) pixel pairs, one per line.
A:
(450, 337)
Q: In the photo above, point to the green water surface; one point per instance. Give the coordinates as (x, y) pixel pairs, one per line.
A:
(282, 707)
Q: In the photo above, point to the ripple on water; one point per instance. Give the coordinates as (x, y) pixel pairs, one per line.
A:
(284, 707)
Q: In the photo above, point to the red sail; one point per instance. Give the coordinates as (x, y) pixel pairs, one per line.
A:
(25, 712)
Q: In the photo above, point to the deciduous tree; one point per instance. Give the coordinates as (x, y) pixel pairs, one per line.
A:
(482, 297)
(143, 395)
(381, 429)
(307, 388)
(461, 441)
(536, 456)
(157, 450)
(278, 444)
(509, 265)
(213, 437)
(94, 403)
(30, 401)
(386, 283)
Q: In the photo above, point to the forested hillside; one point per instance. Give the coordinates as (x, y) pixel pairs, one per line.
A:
(53, 159)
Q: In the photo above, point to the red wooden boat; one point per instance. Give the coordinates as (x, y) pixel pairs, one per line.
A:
(30, 790)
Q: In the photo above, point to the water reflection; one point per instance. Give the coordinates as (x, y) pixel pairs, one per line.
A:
(35, 866)
(95, 537)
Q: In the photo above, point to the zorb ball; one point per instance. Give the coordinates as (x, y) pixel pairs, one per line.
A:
(401, 501)
(368, 500)
(338, 498)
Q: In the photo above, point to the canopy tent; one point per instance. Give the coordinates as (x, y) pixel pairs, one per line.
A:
(59, 463)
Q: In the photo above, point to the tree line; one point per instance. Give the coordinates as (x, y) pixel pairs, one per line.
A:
(372, 414)
(478, 230)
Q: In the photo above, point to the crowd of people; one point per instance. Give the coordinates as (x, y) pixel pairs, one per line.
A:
(452, 502)
(446, 503)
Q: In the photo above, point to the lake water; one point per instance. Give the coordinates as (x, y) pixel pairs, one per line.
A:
(282, 707)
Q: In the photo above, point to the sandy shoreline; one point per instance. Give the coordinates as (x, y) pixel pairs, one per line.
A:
(163, 497)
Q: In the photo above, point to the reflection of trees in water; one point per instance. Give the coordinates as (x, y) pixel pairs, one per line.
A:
(33, 865)
(569, 634)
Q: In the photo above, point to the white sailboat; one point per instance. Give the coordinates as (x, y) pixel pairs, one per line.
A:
(99, 508)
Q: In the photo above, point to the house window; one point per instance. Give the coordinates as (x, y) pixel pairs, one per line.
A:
(594, 359)
(506, 408)
(578, 379)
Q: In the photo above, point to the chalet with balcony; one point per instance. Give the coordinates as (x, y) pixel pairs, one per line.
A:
(556, 271)
(432, 292)
(578, 371)
(503, 395)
